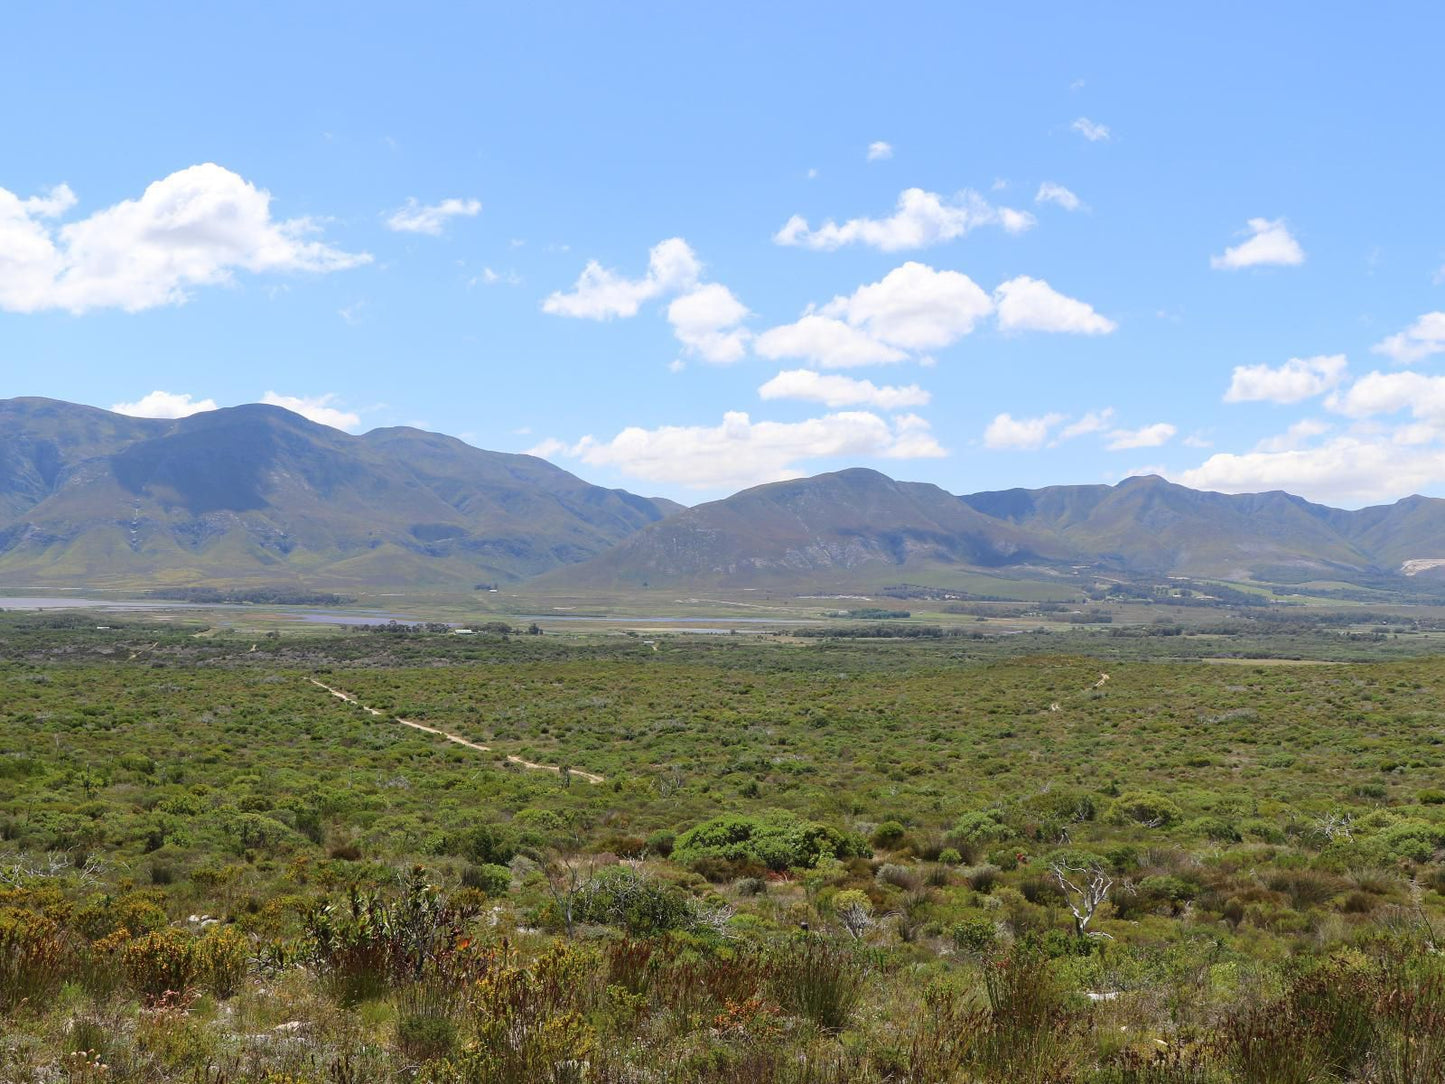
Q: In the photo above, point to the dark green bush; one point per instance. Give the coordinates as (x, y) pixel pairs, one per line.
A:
(775, 840)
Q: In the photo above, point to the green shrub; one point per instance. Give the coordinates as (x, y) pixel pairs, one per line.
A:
(776, 840)
(974, 829)
(492, 879)
(640, 905)
(888, 835)
(1412, 840)
(483, 844)
(1145, 808)
(1214, 828)
(974, 934)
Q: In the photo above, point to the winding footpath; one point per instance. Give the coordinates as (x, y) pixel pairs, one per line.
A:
(341, 694)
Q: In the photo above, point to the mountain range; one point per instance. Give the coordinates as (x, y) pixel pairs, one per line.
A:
(259, 495)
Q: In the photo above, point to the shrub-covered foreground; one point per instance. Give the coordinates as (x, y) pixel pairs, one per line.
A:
(932, 870)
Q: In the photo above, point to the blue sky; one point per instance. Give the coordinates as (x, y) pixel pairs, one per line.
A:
(1065, 246)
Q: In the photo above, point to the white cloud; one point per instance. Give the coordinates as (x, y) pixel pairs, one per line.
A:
(1094, 133)
(911, 308)
(920, 219)
(1049, 192)
(548, 449)
(879, 151)
(51, 205)
(741, 452)
(317, 408)
(824, 341)
(1028, 304)
(1006, 431)
(839, 391)
(915, 307)
(1151, 436)
(706, 322)
(1296, 379)
(164, 404)
(1385, 393)
(1426, 336)
(1295, 437)
(600, 294)
(1350, 469)
(913, 439)
(1093, 422)
(195, 227)
(1271, 246)
(431, 218)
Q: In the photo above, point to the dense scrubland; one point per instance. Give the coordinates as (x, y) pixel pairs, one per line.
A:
(922, 860)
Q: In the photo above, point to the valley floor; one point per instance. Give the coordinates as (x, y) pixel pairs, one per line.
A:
(825, 859)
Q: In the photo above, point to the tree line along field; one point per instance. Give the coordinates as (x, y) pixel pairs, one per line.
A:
(831, 861)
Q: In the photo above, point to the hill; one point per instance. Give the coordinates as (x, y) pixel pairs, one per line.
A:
(257, 493)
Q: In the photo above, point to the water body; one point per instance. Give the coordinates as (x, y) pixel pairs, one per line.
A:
(156, 605)
(324, 616)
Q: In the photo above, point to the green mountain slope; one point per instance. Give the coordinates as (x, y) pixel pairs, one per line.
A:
(832, 528)
(259, 493)
(858, 528)
(1148, 525)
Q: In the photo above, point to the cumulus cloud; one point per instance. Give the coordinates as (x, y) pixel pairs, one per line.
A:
(878, 151)
(825, 341)
(601, 294)
(1049, 192)
(1350, 469)
(1270, 246)
(1094, 133)
(741, 452)
(1006, 431)
(1150, 436)
(919, 219)
(1378, 393)
(1028, 304)
(431, 218)
(1426, 336)
(707, 323)
(915, 307)
(164, 404)
(1295, 380)
(316, 408)
(196, 227)
(839, 391)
